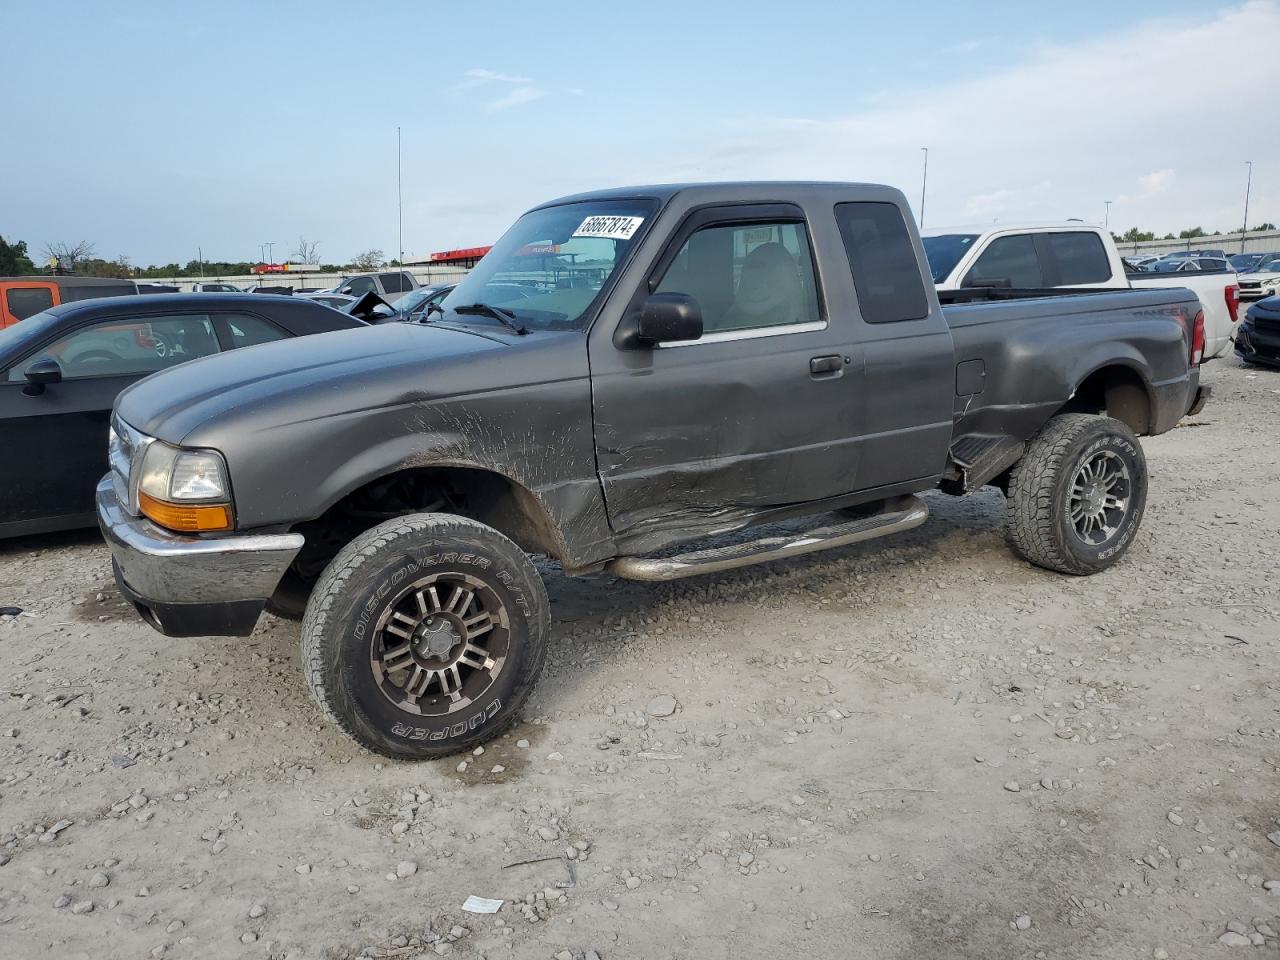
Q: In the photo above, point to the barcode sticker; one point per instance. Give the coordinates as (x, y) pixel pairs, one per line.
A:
(610, 228)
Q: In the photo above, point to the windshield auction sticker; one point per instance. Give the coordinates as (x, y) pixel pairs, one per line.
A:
(611, 228)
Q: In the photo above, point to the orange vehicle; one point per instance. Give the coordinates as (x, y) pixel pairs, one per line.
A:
(22, 297)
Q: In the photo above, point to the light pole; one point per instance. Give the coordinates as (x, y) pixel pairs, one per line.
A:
(1106, 225)
(399, 198)
(924, 184)
(1247, 184)
(262, 253)
(271, 246)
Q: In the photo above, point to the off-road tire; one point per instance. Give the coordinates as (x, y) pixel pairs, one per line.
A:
(358, 590)
(1040, 527)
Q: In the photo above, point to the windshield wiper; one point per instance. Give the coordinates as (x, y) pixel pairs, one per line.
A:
(502, 315)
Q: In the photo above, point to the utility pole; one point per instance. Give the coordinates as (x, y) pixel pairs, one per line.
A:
(271, 246)
(262, 253)
(924, 184)
(1107, 223)
(1247, 184)
(399, 198)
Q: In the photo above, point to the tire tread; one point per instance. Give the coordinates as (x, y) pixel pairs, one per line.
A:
(1033, 524)
(320, 650)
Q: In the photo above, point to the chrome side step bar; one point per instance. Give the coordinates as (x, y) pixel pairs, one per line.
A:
(900, 514)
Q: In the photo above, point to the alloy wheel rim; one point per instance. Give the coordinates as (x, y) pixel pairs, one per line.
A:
(1099, 498)
(440, 644)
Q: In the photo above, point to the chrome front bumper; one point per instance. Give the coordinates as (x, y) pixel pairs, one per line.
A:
(192, 586)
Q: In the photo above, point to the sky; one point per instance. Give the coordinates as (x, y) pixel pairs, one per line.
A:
(152, 130)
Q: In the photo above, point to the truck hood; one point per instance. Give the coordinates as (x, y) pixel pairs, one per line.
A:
(310, 377)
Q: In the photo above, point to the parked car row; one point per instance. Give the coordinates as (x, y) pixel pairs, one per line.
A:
(1262, 279)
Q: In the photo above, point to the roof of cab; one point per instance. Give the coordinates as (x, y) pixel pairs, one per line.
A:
(763, 190)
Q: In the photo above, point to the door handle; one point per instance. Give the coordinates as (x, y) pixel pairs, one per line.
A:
(825, 366)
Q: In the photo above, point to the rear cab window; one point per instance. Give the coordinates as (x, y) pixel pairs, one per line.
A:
(1079, 257)
(886, 273)
(23, 302)
(393, 282)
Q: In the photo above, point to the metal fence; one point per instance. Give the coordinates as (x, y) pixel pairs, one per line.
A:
(1256, 241)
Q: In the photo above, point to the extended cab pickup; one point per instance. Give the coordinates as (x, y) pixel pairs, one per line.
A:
(626, 372)
(1075, 255)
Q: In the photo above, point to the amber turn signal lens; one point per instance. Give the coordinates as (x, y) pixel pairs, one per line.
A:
(185, 518)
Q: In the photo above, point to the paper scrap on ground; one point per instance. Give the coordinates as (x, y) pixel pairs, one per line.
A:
(482, 905)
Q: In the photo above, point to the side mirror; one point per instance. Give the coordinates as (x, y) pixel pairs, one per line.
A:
(40, 374)
(668, 317)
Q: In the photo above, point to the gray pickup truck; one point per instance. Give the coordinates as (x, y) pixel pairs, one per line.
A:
(625, 373)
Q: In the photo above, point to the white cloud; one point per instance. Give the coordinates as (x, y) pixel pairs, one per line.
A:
(522, 89)
(479, 75)
(516, 97)
(1150, 185)
(991, 205)
(1157, 182)
(1079, 116)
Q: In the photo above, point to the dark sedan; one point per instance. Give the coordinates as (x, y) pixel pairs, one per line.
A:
(1258, 336)
(60, 372)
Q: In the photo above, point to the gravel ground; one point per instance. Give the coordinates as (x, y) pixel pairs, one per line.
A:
(915, 748)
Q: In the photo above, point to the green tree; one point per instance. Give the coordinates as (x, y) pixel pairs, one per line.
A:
(119, 268)
(1192, 234)
(14, 261)
(1134, 235)
(1262, 226)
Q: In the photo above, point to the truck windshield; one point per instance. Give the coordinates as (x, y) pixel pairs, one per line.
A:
(944, 252)
(550, 267)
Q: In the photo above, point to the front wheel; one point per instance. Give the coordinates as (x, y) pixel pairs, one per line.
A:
(425, 635)
(1077, 496)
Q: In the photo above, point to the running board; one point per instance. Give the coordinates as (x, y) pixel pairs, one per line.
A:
(900, 514)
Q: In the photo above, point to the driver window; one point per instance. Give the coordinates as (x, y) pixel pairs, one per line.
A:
(746, 276)
(119, 348)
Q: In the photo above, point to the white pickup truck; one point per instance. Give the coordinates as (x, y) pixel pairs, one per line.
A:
(1028, 257)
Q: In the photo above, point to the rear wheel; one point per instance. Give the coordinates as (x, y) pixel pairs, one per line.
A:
(425, 635)
(1077, 496)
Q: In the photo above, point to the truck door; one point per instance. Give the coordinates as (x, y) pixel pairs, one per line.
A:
(907, 401)
(25, 298)
(759, 412)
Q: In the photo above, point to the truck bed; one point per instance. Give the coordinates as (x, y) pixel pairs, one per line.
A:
(1021, 353)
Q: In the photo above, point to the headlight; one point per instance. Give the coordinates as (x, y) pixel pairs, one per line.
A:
(185, 490)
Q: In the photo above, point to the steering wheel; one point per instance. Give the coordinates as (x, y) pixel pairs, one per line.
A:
(98, 356)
